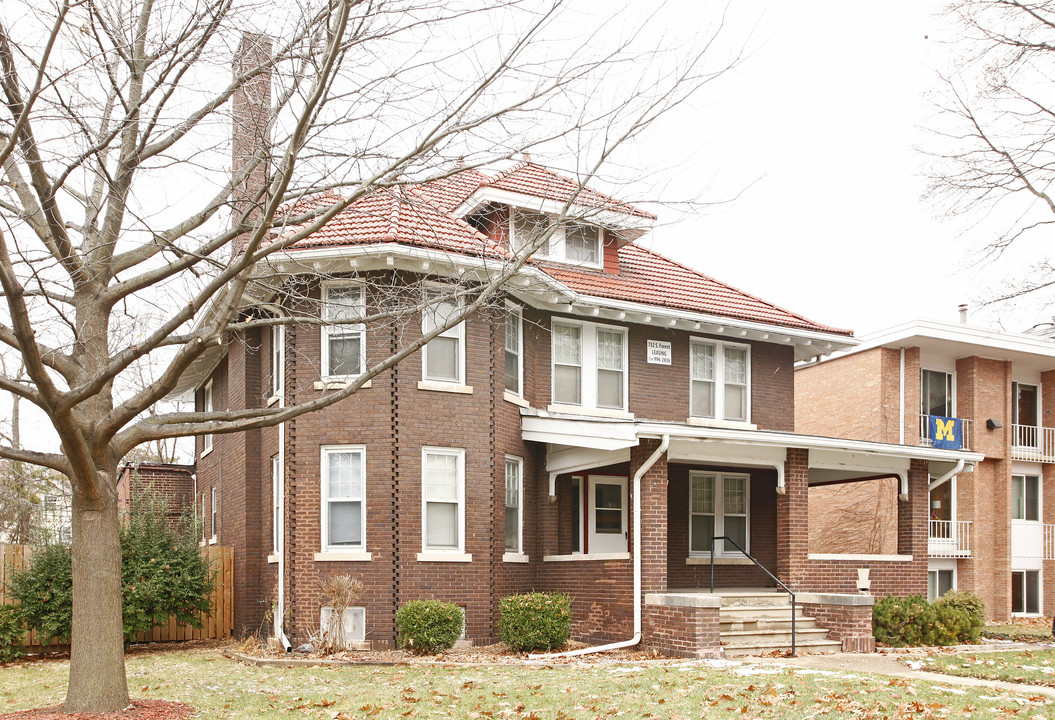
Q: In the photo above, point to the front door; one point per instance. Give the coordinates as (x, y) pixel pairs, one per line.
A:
(607, 514)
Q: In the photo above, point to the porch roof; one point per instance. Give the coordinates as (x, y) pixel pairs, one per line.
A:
(579, 443)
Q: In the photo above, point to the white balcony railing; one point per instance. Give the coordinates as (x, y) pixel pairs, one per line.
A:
(1031, 443)
(1049, 542)
(924, 431)
(950, 539)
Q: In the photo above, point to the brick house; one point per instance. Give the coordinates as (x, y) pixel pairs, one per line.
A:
(991, 530)
(594, 432)
(171, 481)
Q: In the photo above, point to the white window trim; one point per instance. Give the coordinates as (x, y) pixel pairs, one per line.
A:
(719, 513)
(458, 331)
(952, 388)
(519, 312)
(324, 505)
(1040, 592)
(207, 406)
(588, 368)
(519, 549)
(203, 525)
(429, 553)
(276, 504)
(215, 516)
(719, 380)
(1040, 496)
(278, 362)
(346, 330)
(556, 243)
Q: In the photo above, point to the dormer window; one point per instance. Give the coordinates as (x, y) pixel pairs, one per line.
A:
(568, 242)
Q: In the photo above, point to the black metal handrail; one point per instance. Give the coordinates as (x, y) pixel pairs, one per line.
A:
(762, 567)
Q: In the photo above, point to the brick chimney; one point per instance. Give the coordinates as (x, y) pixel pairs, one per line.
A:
(251, 110)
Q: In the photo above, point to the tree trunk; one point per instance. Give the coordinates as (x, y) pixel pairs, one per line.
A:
(97, 659)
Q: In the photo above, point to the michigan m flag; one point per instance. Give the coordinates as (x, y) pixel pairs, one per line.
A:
(946, 433)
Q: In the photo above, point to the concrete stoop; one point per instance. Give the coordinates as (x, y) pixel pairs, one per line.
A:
(759, 622)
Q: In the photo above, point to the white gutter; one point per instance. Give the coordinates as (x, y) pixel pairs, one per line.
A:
(901, 406)
(663, 445)
(946, 476)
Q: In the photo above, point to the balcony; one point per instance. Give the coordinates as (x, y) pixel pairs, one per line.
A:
(1034, 444)
(924, 431)
(1032, 541)
(950, 539)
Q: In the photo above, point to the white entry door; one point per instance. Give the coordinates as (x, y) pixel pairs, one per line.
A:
(607, 509)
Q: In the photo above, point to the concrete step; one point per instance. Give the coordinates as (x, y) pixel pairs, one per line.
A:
(756, 599)
(768, 623)
(754, 637)
(750, 613)
(802, 647)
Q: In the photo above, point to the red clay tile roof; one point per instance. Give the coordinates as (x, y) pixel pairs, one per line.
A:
(421, 216)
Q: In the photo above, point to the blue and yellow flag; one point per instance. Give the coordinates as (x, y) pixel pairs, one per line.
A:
(946, 433)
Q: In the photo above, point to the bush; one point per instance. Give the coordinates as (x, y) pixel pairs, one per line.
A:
(12, 633)
(535, 621)
(904, 621)
(163, 575)
(970, 604)
(425, 627)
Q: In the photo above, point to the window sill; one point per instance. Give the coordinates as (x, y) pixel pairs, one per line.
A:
(343, 556)
(339, 384)
(444, 557)
(450, 387)
(712, 422)
(515, 558)
(212, 540)
(205, 452)
(590, 412)
(694, 560)
(515, 399)
(273, 400)
(272, 559)
(579, 557)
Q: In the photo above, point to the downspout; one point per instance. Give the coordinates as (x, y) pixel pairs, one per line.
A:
(901, 404)
(955, 471)
(663, 445)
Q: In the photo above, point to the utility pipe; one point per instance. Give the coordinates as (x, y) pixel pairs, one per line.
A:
(901, 404)
(955, 471)
(663, 445)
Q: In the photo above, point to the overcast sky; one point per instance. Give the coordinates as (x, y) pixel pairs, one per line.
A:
(820, 124)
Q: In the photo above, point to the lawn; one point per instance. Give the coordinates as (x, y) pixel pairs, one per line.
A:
(222, 688)
(1036, 667)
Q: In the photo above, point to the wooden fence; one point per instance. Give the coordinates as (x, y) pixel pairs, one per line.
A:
(218, 624)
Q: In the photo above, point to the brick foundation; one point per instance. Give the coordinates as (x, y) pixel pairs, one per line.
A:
(847, 618)
(682, 626)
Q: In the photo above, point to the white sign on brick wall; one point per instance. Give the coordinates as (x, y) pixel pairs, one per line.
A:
(658, 352)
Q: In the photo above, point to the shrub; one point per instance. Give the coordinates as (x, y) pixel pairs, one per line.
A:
(903, 621)
(340, 592)
(535, 621)
(970, 604)
(163, 574)
(12, 632)
(425, 627)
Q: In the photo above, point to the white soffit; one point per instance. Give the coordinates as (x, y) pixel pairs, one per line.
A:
(573, 459)
(701, 451)
(580, 433)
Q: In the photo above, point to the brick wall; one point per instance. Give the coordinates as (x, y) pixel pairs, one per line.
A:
(173, 483)
(691, 632)
(851, 624)
(864, 407)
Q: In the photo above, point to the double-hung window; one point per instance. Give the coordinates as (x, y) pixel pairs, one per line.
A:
(719, 381)
(215, 513)
(278, 360)
(1025, 497)
(589, 365)
(514, 504)
(718, 507)
(343, 500)
(276, 504)
(443, 497)
(566, 242)
(206, 440)
(444, 356)
(343, 338)
(514, 355)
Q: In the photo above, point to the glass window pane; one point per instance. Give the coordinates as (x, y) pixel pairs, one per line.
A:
(441, 477)
(1032, 499)
(343, 303)
(735, 402)
(609, 350)
(529, 227)
(345, 480)
(702, 361)
(580, 243)
(513, 331)
(608, 522)
(1017, 497)
(345, 357)
(442, 359)
(566, 386)
(512, 529)
(512, 484)
(512, 372)
(702, 494)
(608, 496)
(567, 344)
(1018, 603)
(736, 529)
(610, 388)
(702, 399)
(346, 523)
(702, 528)
(441, 520)
(944, 582)
(735, 496)
(736, 365)
(1032, 591)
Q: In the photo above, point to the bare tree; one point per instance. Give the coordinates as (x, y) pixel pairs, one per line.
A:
(122, 221)
(995, 145)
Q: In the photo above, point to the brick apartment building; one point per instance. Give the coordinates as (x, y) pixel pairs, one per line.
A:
(992, 530)
(593, 432)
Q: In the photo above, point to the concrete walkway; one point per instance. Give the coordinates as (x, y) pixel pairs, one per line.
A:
(894, 666)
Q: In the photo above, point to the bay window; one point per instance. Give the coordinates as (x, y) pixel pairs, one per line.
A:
(343, 340)
(719, 381)
(343, 498)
